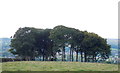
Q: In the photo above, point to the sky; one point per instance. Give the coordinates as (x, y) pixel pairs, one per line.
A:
(98, 16)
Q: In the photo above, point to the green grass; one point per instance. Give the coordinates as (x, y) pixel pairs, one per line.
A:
(56, 66)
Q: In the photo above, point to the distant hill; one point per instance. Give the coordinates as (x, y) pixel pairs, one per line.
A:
(113, 43)
(5, 42)
(4, 47)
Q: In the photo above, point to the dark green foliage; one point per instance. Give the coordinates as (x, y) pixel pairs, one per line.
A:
(95, 46)
(29, 43)
(46, 43)
(23, 43)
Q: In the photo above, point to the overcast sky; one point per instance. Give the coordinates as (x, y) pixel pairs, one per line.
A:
(98, 16)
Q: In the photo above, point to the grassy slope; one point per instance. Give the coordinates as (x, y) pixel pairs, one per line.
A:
(57, 66)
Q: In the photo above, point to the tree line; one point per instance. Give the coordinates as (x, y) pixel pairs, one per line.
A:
(30, 43)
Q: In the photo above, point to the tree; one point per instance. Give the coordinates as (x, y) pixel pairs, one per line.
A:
(59, 37)
(94, 45)
(22, 43)
(104, 50)
(62, 35)
(29, 43)
(76, 41)
(44, 44)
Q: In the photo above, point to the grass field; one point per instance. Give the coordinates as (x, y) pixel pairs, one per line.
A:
(56, 66)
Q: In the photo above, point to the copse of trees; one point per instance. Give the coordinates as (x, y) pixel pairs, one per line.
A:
(64, 36)
(30, 43)
(94, 46)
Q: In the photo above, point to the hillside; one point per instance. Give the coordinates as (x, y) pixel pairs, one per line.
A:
(113, 43)
(4, 47)
(57, 66)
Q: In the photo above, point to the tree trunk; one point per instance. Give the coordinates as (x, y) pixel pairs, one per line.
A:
(43, 57)
(85, 56)
(77, 56)
(93, 58)
(72, 54)
(81, 56)
(62, 55)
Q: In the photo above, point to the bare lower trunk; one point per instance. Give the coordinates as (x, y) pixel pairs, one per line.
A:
(81, 57)
(85, 56)
(62, 55)
(76, 56)
(72, 55)
(43, 58)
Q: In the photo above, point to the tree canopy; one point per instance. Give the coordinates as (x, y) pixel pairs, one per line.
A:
(29, 43)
